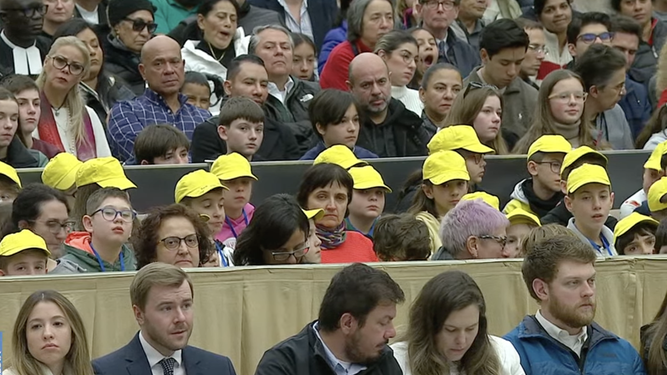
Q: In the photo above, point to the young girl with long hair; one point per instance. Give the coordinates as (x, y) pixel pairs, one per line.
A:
(400, 52)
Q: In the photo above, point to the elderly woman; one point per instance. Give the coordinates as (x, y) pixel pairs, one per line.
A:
(473, 230)
(65, 121)
(368, 20)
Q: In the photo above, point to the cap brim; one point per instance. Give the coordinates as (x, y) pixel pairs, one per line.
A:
(647, 220)
(237, 175)
(19, 250)
(196, 193)
(314, 214)
(449, 176)
(651, 164)
(479, 149)
(353, 163)
(120, 183)
(371, 186)
(522, 218)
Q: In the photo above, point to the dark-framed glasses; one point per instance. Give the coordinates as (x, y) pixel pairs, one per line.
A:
(110, 214)
(61, 62)
(553, 165)
(29, 12)
(589, 38)
(138, 25)
(282, 256)
(502, 240)
(435, 4)
(174, 242)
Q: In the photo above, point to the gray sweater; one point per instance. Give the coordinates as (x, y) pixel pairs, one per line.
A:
(614, 128)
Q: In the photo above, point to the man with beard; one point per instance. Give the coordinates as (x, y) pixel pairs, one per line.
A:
(562, 338)
(388, 128)
(21, 52)
(163, 305)
(351, 334)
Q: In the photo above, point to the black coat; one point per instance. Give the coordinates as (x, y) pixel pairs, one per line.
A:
(123, 64)
(278, 143)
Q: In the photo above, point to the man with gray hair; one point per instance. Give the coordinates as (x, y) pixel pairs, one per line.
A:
(289, 96)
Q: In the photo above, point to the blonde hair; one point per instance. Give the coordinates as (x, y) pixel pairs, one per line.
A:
(467, 106)
(77, 358)
(74, 100)
(661, 76)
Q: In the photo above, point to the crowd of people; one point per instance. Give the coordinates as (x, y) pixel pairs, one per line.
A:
(87, 86)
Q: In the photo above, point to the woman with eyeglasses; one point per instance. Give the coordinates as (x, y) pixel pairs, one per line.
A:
(65, 121)
(560, 111)
(44, 211)
(173, 234)
(132, 24)
(278, 234)
(100, 89)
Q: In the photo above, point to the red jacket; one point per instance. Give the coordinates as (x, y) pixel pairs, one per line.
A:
(335, 72)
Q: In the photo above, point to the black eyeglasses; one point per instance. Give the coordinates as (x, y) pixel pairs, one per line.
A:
(60, 62)
(281, 256)
(138, 25)
(554, 165)
(502, 240)
(173, 242)
(477, 85)
(589, 38)
(110, 214)
(29, 12)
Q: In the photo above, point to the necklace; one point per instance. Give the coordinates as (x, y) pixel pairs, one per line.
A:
(210, 47)
(57, 110)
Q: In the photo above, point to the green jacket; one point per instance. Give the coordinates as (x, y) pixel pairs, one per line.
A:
(88, 261)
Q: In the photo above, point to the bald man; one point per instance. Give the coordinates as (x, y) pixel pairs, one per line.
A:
(162, 67)
(388, 129)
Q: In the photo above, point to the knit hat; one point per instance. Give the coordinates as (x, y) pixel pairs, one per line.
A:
(118, 10)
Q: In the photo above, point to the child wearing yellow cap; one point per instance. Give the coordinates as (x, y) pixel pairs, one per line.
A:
(368, 199)
(22, 254)
(102, 246)
(234, 172)
(522, 223)
(10, 183)
(161, 144)
(314, 254)
(657, 199)
(60, 174)
(541, 192)
(445, 180)
(654, 168)
(635, 235)
(589, 198)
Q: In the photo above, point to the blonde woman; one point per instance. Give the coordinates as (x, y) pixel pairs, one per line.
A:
(49, 338)
(65, 121)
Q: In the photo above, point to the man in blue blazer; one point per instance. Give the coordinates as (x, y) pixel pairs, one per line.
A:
(162, 301)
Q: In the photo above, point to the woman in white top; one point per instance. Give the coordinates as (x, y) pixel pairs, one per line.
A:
(447, 332)
(400, 52)
(65, 121)
(49, 338)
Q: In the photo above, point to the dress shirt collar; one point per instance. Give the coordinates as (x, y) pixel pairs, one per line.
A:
(338, 365)
(273, 89)
(560, 334)
(154, 357)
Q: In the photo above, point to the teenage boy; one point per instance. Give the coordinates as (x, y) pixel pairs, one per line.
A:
(22, 254)
(108, 225)
(541, 192)
(536, 52)
(234, 172)
(657, 200)
(241, 126)
(161, 144)
(463, 140)
(654, 168)
(10, 183)
(635, 235)
(400, 238)
(584, 31)
(589, 198)
(368, 198)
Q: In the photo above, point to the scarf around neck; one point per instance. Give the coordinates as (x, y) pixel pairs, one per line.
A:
(331, 238)
(569, 132)
(48, 131)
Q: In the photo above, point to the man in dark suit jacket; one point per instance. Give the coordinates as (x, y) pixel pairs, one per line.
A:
(160, 347)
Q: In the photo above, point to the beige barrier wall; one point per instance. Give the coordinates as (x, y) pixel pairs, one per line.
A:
(244, 311)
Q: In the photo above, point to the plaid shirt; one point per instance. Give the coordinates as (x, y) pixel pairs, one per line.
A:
(129, 118)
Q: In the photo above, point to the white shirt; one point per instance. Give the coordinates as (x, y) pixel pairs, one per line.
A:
(340, 367)
(409, 98)
(302, 27)
(91, 17)
(27, 61)
(281, 95)
(154, 357)
(633, 202)
(574, 342)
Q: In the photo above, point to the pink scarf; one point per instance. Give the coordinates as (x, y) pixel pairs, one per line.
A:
(48, 131)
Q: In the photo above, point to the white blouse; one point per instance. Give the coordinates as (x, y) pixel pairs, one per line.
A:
(409, 98)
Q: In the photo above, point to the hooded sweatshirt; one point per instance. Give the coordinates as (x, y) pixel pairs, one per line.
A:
(79, 251)
(524, 197)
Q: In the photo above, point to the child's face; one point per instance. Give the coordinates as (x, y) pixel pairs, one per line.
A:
(515, 235)
(344, 133)
(242, 136)
(314, 254)
(25, 263)
(547, 172)
(642, 244)
(112, 223)
(447, 195)
(198, 95)
(476, 166)
(428, 50)
(304, 62)
(176, 156)
(368, 203)
(238, 195)
(9, 121)
(212, 261)
(211, 204)
(29, 110)
(649, 177)
(590, 205)
(7, 193)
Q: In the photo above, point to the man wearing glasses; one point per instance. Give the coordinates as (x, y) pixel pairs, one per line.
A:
(21, 52)
(536, 52)
(584, 31)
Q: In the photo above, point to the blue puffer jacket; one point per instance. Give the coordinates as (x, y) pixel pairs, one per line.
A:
(333, 38)
(604, 353)
(636, 106)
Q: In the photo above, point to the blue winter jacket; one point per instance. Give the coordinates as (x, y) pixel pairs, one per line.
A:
(604, 353)
(333, 38)
(636, 106)
(359, 152)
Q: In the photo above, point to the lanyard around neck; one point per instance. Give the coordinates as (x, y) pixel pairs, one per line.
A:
(231, 226)
(101, 262)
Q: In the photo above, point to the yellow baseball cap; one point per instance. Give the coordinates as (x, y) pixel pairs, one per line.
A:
(444, 166)
(653, 161)
(655, 194)
(14, 243)
(340, 155)
(587, 174)
(60, 172)
(629, 222)
(367, 177)
(521, 216)
(455, 137)
(195, 184)
(550, 144)
(489, 199)
(229, 167)
(577, 153)
(313, 214)
(105, 172)
(9, 171)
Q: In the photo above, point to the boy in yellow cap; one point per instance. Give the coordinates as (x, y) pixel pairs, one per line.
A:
(340, 155)
(445, 181)
(10, 183)
(234, 172)
(489, 199)
(521, 223)
(60, 174)
(654, 168)
(541, 192)
(22, 254)
(463, 140)
(102, 246)
(635, 235)
(314, 254)
(657, 199)
(368, 198)
(203, 192)
(589, 198)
